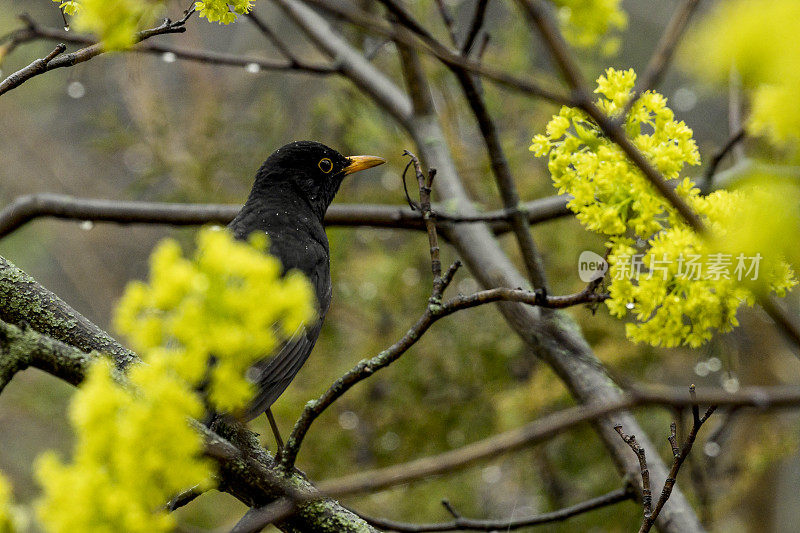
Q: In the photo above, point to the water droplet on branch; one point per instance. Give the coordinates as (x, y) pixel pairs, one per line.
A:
(168, 57)
(86, 225)
(253, 68)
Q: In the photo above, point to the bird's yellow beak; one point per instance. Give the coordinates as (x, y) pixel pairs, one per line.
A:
(362, 162)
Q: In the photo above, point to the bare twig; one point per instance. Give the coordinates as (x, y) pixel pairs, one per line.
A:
(460, 523)
(717, 158)
(662, 55)
(34, 69)
(424, 183)
(679, 456)
(647, 495)
(447, 18)
(697, 422)
(475, 26)
(505, 181)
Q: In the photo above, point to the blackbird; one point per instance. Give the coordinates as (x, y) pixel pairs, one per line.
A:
(291, 193)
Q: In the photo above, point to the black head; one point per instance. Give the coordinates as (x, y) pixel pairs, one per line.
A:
(312, 170)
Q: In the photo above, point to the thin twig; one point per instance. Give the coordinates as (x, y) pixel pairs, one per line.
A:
(475, 26)
(679, 456)
(447, 18)
(531, 256)
(460, 523)
(34, 69)
(424, 183)
(647, 495)
(665, 49)
(716, 159)
(663, 53)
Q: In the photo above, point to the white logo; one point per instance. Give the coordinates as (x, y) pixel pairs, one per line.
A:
(591, 266)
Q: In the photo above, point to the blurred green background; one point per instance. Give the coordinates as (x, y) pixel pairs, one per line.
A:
(130, 126)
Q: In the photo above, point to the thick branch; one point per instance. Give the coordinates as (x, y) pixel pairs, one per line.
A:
(23, 302)
(22, 347)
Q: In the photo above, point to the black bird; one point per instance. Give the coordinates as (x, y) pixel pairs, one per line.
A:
(291, 193)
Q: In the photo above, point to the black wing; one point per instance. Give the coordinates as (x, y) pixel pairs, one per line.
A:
(273, 375)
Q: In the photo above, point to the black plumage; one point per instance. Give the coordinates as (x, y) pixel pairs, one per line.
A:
(292, 191)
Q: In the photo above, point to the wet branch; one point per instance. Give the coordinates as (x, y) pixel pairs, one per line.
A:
(30, 207)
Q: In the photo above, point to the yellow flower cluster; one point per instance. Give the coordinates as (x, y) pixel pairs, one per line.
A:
(135, 447)
(229, 301)
(672, 303)
(134, 451)
(610, 194)
(585, 22)
(220, 10)
(759, 39)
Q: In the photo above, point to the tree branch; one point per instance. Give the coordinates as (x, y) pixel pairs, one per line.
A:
(34, 69)
(716, 159)
(475, 26)
(679, 456)
(34, 31)
(23, 302)
(30, 207)
(85, 54)
(662, 55)
(549, 426)
(510, 524)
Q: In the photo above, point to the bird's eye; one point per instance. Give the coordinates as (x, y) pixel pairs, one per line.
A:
(325, 165)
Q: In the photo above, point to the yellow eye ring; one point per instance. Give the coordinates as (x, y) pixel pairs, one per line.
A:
(325, 165)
